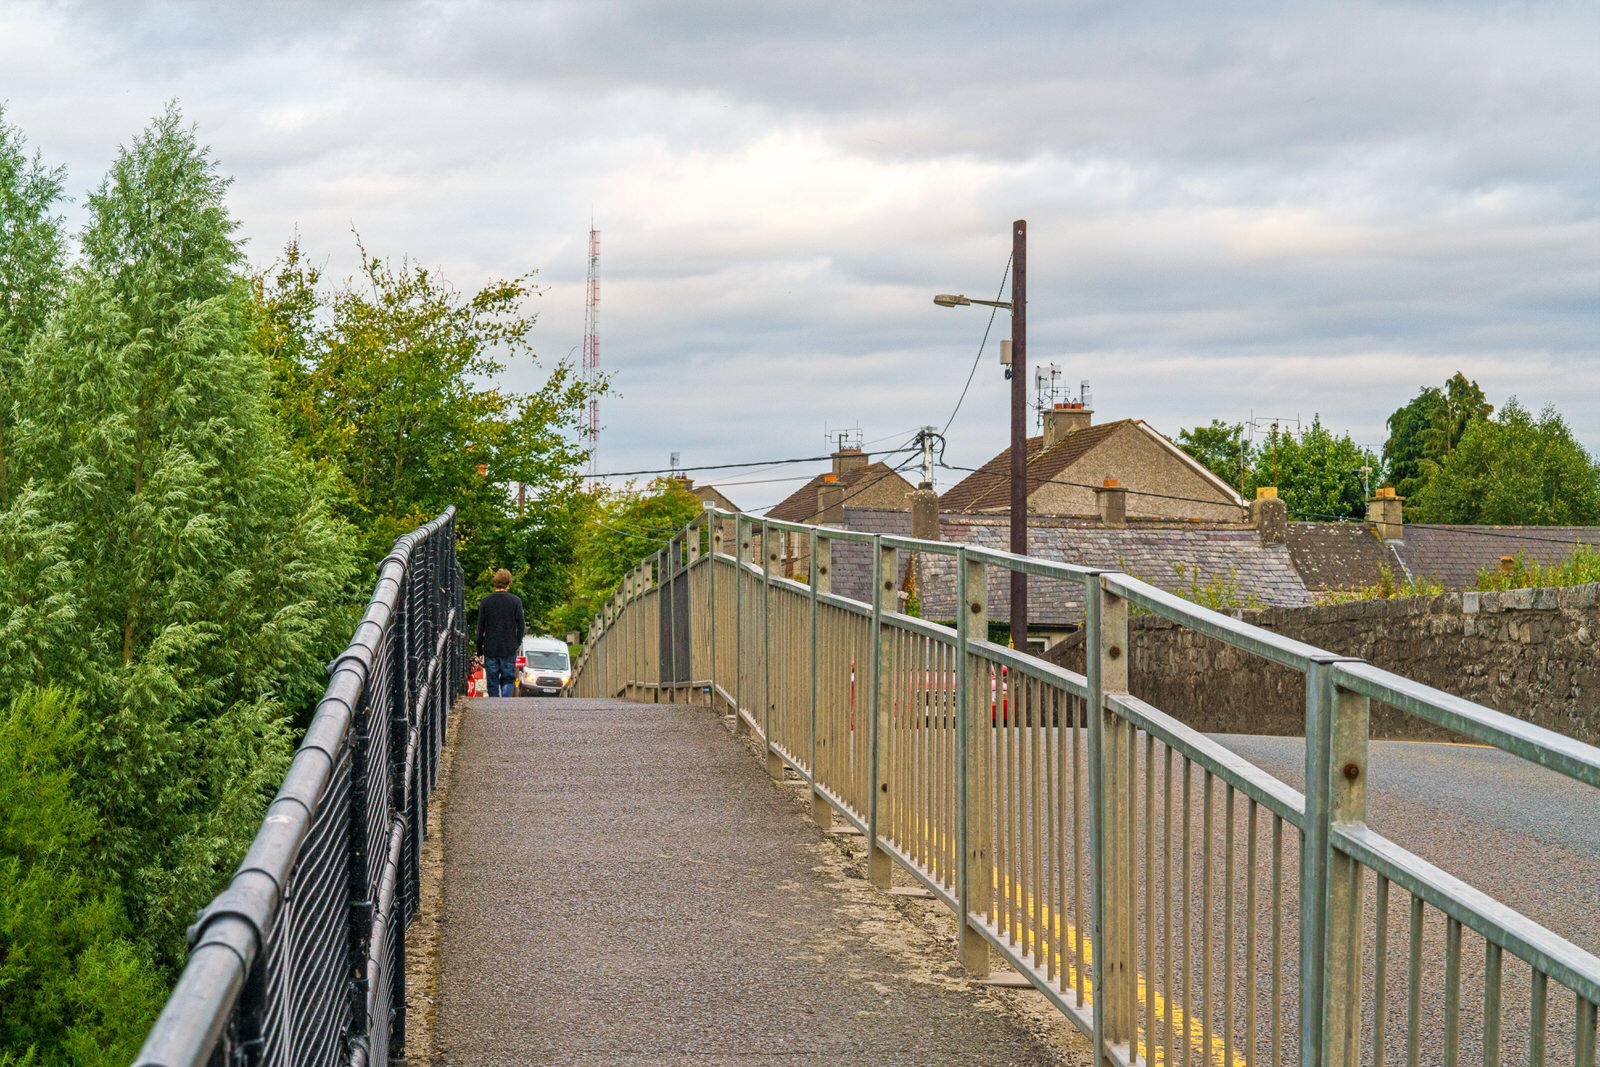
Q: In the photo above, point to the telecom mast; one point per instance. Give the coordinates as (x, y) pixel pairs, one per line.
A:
(591, 349)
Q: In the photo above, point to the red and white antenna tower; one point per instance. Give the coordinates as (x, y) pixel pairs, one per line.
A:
(591, 348)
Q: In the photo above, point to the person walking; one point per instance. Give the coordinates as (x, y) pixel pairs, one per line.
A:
(501, 628)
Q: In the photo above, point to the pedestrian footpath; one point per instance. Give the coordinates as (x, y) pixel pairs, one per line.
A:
(623, 885)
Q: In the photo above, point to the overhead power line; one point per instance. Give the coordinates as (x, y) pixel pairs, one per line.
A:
(730, 466)
(1006, 476)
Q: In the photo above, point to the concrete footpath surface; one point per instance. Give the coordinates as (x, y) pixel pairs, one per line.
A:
(623, 885)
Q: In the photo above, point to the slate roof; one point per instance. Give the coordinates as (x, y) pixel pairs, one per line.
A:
(1233, 554)
(801, 505)
(1453, 555)
(1340, 555)
(989, 487)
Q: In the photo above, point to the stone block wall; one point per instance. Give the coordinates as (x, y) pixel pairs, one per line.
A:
(1530, 653)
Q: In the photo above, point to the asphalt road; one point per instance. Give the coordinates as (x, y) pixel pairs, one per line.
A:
(622, 885)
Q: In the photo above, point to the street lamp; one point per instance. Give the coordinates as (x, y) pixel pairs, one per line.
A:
(1018, 306)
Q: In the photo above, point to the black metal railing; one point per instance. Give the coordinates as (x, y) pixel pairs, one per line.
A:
(301, 960)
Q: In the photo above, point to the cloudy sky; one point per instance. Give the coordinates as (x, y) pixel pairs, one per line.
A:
(1234, 208)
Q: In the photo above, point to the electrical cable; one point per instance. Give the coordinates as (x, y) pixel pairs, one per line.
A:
(863, 488)
(1083, 485)
(979, 357)
(728, 466)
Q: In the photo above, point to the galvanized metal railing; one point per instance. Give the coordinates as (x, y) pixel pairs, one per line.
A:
(1177, 903)
(301, 960)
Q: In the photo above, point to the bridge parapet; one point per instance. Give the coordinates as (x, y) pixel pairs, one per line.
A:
(1176, 902)
(301, 959)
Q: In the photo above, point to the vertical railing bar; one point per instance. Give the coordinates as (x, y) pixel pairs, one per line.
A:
(1491, 1004)
(1167, 893)
(1276, 1049)
(1206, 831)
(1252, 814)
(1380, 973)
(1414, 986)
(1538, 992)
(1227, 924)
(1452, 991)
(1150, 1026)
(1186, 936)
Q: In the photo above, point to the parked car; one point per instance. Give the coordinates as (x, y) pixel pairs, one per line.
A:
(543, 668)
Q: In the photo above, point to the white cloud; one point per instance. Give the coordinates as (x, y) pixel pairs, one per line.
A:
(1293, 209)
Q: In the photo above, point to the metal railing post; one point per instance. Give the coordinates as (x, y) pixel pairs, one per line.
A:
(880, 865)
(821, 558)
(973, 863)
(1110, 820)
(1314, 881)
(1344, 721)
(769, 563)
(711, 606)
(742, 537)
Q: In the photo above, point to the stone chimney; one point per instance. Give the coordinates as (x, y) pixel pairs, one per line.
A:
(1385, 511)
(1064, 419)
(830, 500)
(1270, 516)
(1111, 500)
(848, 459)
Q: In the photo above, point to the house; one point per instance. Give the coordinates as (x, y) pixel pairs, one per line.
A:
(1073, 461)
(710, 494)
(854, 483)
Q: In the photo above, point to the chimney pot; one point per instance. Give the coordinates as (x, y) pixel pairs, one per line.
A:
(1507, 564)
(1267, 492)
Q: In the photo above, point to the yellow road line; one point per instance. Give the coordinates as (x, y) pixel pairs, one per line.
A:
(1195, 1030)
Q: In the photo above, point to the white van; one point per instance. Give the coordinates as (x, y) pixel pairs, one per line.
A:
(543, 667)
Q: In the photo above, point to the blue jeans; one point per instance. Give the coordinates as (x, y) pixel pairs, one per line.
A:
(500, 672)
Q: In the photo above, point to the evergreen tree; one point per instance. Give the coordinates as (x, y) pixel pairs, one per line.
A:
(1428, 430)
(1513, 470)
(31, 244)
(205, 579)
(75, 986)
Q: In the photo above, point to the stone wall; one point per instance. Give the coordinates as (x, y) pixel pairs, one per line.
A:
(1527, 652)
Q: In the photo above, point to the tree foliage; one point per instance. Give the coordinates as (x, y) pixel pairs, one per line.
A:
(162, 553)
(32, 256)
(76, 987)
(1428, 429)
(381, 381)
(621, 527)
(1317, 472)
(1513, 470)
(1220, 446)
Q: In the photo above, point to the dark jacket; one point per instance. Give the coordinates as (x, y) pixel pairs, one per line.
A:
(500, 625)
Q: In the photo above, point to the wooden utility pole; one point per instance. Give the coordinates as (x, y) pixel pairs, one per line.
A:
(1019, 429)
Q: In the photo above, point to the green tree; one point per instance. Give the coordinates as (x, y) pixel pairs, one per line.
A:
(382, 383)
(191, 575)
(1513, 470)
(622, 527)
(1318, 473)
(1429, 429)
(1220, 446)
(32, 246)
(75, 986)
